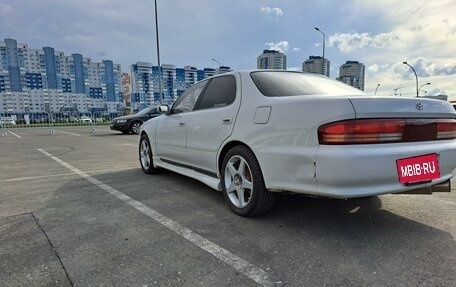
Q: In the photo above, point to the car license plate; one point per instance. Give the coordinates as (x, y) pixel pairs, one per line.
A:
(418, 169)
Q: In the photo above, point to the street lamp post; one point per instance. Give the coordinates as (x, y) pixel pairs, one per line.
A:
(378, 85)
(395, 90)
(217, 63)
(416, 77)
(422, 86)
(158, 54)
(324, 39)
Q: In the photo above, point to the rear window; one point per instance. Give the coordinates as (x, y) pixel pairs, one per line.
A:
(285, 84)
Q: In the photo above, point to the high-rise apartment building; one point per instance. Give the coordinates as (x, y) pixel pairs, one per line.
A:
(352, 73)
(223, 69)
(145, 82)
(142, 94)
(126, 88)
(272, 59)
(191, 76)
(48, 81)
(169, 90)
(185, 77)
(316, 65)
(208, 72)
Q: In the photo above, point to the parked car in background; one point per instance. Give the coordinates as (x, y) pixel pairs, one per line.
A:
(85, 119)
(7, 121)
(253, 134)
(131, 123)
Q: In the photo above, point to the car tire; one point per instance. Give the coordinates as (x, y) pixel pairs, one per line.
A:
(134, 127)
(145, 156)
(243, 184)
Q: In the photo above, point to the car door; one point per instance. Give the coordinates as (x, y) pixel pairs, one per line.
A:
(172, 128)
(212, 122)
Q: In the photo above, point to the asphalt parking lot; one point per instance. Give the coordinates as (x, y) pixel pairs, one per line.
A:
(76, 210)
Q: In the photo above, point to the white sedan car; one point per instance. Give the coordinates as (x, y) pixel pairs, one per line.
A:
(7, 121)
(253, 134)
(85, 119)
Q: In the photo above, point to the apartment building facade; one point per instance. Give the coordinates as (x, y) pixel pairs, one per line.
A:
(48, 81)
(352, 73)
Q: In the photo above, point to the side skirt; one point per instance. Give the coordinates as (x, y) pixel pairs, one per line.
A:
(209, 178)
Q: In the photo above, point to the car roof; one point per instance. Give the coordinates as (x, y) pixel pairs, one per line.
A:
(249, 71)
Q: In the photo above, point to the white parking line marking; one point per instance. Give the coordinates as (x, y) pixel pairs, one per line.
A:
(255, 273)
(68, 133)
(14, 134)
(63, 174)
(106, 131)
(130, 145)
(36, 177)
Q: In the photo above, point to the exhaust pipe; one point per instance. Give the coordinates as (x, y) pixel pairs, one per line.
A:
(441, 187)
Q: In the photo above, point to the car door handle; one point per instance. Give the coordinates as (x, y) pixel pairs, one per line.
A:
(182, 124)
(226, 121)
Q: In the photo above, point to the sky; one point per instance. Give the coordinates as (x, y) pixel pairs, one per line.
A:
(381, 34)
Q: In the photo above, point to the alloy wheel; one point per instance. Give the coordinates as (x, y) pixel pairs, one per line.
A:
(135, 127)
(238, 181)
(145, 154)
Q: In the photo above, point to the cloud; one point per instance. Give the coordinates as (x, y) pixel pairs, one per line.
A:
(435, 92)
(349, 42)
(272, 11)
(373, 68)
(427, 68)
(295, 49)
(447, 70)
(451, 28)
(281, 46)
(386, 67)
(424, 67)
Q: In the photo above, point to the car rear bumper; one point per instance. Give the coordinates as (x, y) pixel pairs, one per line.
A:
(367, 170)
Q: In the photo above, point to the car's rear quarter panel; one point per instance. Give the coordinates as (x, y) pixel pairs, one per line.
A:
(287, 144)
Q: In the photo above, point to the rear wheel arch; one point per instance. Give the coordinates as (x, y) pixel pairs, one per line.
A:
(242, 182)
(225, 150)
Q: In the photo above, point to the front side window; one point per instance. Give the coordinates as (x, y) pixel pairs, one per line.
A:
(187, 101)
(220, 92)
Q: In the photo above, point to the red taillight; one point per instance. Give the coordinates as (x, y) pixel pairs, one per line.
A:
(446, 129)
(368, 131)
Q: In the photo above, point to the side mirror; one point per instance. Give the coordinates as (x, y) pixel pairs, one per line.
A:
(164, 109)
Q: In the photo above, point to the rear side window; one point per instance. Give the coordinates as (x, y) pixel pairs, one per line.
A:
(285, 84)
(220, 92)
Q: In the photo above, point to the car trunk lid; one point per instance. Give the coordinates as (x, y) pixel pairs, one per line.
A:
(393, 107)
